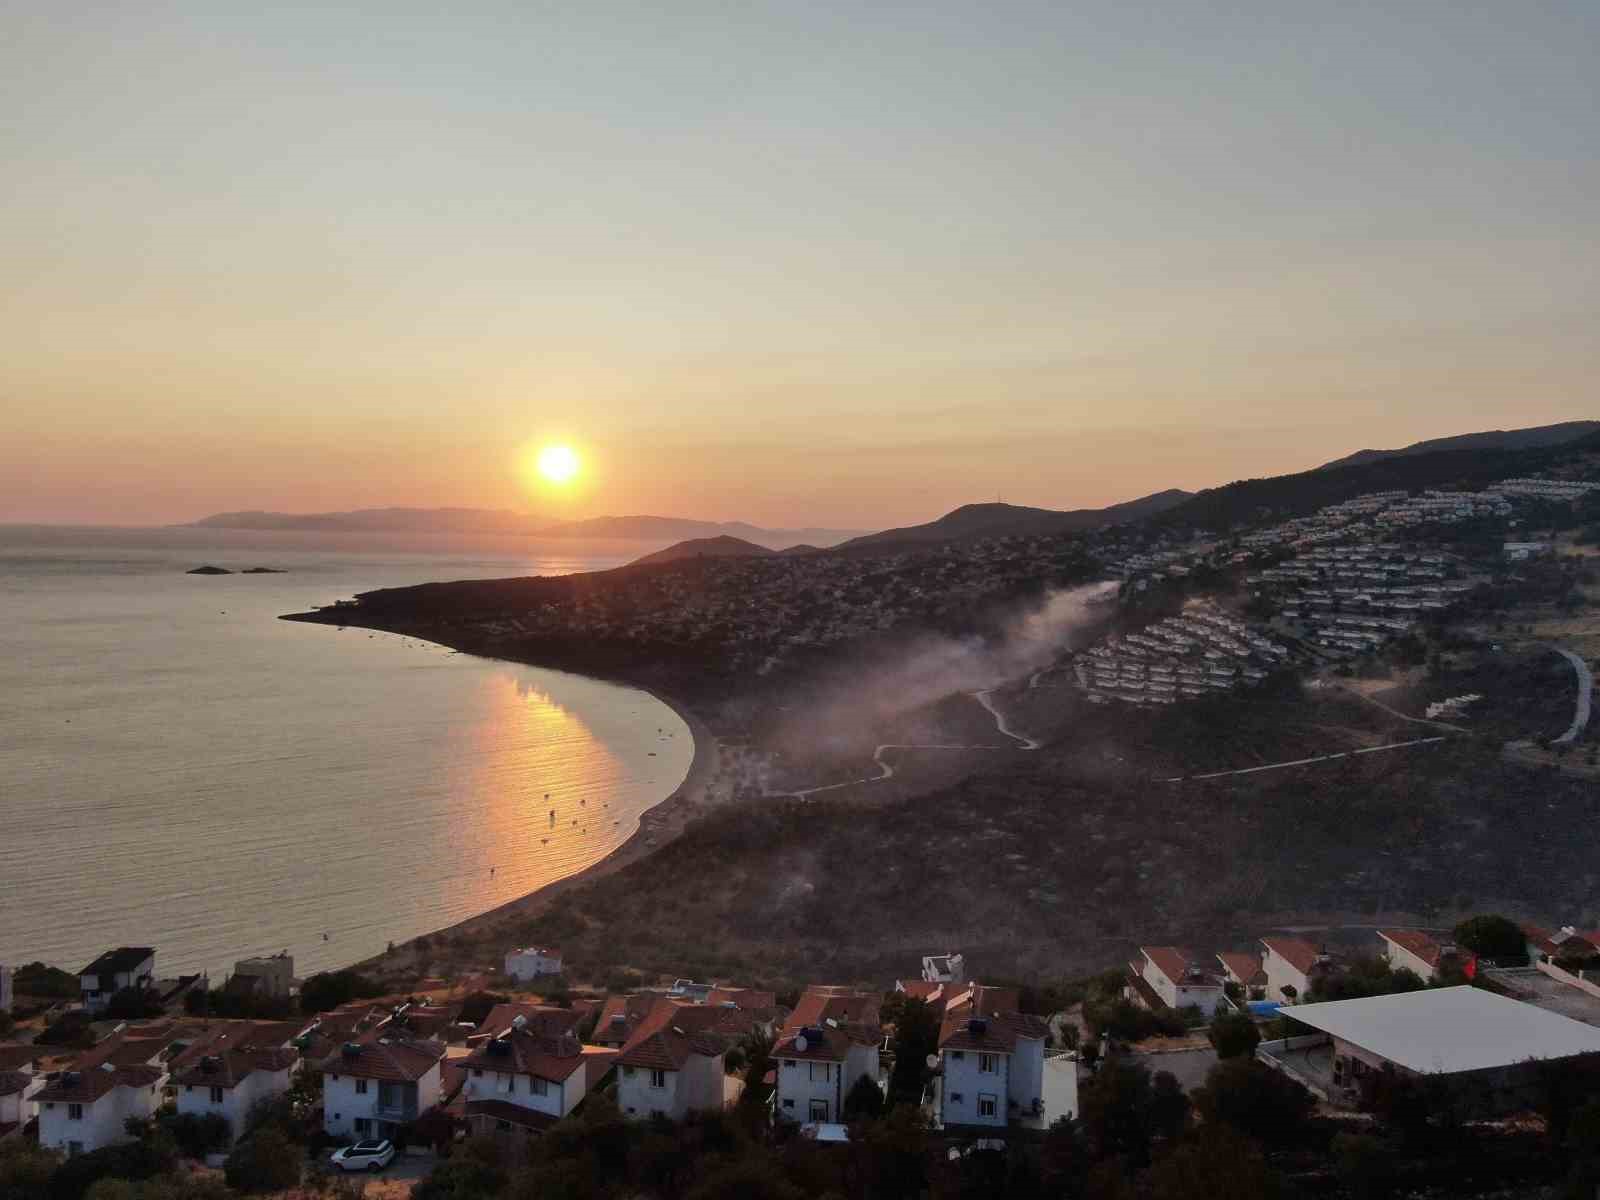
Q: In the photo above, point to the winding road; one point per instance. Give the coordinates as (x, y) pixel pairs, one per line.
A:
(1580, 717)
(1301, 762)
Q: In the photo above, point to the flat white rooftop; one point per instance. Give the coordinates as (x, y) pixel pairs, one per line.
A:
(1450, 1029)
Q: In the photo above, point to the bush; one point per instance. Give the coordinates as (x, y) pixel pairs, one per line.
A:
(1233, 1035)
(134, 1161)
(863, 1101)
(330, 989)
(266, 1161)
(70, 1029)
(40, 979)
(133, 1004)
(1257, 1101)
(196, 1135)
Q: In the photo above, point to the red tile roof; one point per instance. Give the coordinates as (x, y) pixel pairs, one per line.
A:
(85, 1087)
(1298, 953)
(14, 1055)
(540, 1018)
(819, 1004)
(514, 1114)
(14, 1082)
(390, 1059)
(1418, 943)
(523, 1052)
(1175, 964)
(621, 1014)
(998, 1033)
(1242, 966)
(232, 1067)
(743, 997)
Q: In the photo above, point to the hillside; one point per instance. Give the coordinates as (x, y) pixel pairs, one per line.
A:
(1531, 438)
(712, 547)
(1012, 520)
(1248, 501)
(648, 528)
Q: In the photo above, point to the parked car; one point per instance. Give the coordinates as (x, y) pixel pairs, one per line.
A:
(365, 1156)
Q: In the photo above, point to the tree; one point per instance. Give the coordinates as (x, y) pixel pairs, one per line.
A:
(330, 989)
(1364, 1164)
(1124, 1109)
(1255, 1100)
(1494, 937)
(916, 1036)
(1214, 1162)
(25, 1170)
(1233, 1034)
(863, 1100)
(196, 1135)
(266, 1161)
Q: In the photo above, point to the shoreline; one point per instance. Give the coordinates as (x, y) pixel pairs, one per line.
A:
(659, 824)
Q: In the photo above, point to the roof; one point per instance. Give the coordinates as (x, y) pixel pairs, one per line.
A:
(526, 1052)
(824, 1043)
(232, 1067)
(670, 1033)
(14, 1055)
(515, 1114)
(541, 1018)
(819, 1004)
(1451, 1029)
(621, 1014)
(85, 1087)
(1242, 966)
(998, 1035)
(743, 997)
(1175, 963)
(387, 1058)
(13, 1082)
(979, 1000)
(1297, 952)
(918, 989)
(1415, 941)
(547, 951)
(119, 961)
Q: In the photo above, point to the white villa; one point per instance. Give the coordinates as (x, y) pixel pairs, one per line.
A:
(371, 1086)
(530, 962)
(525, 1080)
(233, 1082)
(124, 967)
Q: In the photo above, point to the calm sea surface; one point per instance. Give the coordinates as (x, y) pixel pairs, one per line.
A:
(181, 769)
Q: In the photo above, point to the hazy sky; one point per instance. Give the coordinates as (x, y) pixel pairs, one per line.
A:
(800, 263)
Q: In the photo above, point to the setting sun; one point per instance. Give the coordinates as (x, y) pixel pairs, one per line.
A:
(558, 464)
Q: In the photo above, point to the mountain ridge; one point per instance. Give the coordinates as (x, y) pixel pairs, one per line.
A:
(1002, 520)
(1529, 438)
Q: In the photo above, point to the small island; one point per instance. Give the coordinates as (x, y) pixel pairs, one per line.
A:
(262, 571)
(208, 569)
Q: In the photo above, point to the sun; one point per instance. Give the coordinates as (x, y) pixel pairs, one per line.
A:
(558, 464)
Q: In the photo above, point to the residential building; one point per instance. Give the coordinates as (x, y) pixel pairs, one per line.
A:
(620, 1018)
(992, 1072)
(944, 968)
(523, 1081)
(371, 1086)
(86, 1109)
(124, 967)
(1290, 963)
(1564, 945)
(1243, 969)
(829, 1042)
(273, 975)
(1167, 977)
(543, 1019)
(18, 1085)
(1414, 951)
(233, 1082)
(530, 962)
(673, 1065)
(1490, 1045)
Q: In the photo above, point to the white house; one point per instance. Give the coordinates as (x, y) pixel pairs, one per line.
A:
(1414, 951)
(525, 1080)
(992, 1071)
(530, 962)
(944, 968)
(817, 1065)
(1244, 970)
(270, 976)
(1289, 962)
(673, 1070)
(372, 1086)
(18, 1086)
(124, 967)
(233, 1082)
(1165, 976)
(84, 1110)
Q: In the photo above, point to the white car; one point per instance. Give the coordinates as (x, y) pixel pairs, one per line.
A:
(365, 1156)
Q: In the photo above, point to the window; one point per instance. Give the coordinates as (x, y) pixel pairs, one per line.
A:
(955, 1097)
(74, 1149)
(788, 1064)
(539, 1087)
(819, 1110)
(363, 1126)
(627, 1073)
(361, 1087)
(989, 1064)
(986, 1105)
(503, 1126)
(788, 1103)
(819, 1072)
(188, 1087)
(74, 1112)
(658, 1078)
(216, 1095)
(477, 1073)
(957, 1055)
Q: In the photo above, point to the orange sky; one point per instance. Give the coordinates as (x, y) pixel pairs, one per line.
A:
(820, 265)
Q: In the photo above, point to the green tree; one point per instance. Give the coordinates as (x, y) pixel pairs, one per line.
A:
(1214, 1162)
(266, 1161)
(1257, 1101)
(916, 1036)
(1494, 937)
(1233, 1034)
(330, 989)
(25, 1170)
(194, 1134)
(1364, 1164)
(864, 1100)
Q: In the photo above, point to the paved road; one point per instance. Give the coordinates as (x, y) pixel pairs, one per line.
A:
(1301, 762)
(985, 698)
(1580, 717)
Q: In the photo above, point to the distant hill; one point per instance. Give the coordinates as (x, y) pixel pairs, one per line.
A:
(1248, 501)
(1493, 439)
(1013, 520)
(644, 528)
(504, 521)
(712, 547)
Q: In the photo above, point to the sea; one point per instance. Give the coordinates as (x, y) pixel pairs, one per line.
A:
(181, 769)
